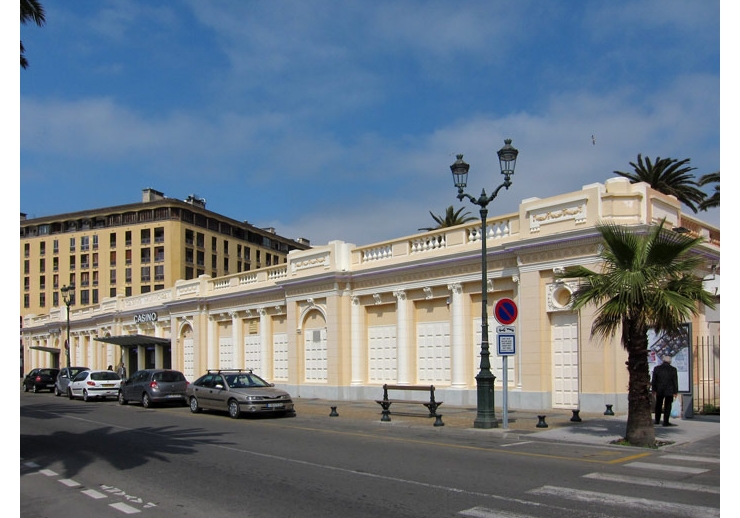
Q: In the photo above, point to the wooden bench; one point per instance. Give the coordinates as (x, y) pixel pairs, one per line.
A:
(431, 405)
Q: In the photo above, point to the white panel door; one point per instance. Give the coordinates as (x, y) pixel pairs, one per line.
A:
(433, 345)
(382, 354)
(253, 354)
(188, 363)
(565, 360)
(317, 362)
(280, 356)
(226, 353)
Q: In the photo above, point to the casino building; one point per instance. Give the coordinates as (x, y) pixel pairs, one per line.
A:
(338, 321)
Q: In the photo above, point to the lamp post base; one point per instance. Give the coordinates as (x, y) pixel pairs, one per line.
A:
(486, 417)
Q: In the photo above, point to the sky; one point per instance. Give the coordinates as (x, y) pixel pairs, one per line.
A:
(338, 120)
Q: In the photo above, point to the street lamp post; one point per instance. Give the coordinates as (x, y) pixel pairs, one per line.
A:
(486, 416)
(68, 297)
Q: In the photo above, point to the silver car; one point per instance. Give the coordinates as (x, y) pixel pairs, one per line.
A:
(64, 378)
(237, 392)
(154, 386)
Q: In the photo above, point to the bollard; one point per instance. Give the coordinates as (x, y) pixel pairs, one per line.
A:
(438, 421)
(609, 410)
(333, 412)
(576, 418)
(541, 423)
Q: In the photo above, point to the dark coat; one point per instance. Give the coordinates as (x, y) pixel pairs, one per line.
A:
(665, 380)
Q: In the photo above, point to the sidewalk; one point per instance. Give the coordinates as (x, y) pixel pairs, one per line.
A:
(593, 428)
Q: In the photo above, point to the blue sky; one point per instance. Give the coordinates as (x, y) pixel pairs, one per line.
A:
(339, 119)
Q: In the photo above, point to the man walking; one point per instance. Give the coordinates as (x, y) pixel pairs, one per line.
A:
(665, 388)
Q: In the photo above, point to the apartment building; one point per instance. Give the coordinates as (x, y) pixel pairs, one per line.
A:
(135, 249)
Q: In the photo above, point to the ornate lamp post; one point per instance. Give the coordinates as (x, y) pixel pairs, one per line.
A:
(486, 417)
(68, 294)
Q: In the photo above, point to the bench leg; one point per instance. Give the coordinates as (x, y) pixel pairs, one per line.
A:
(386, 412)
(438, 421)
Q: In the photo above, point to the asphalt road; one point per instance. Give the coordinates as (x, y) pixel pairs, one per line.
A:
(102, 459)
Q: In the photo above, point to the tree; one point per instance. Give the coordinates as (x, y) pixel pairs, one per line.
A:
(712, 201)
(646, 281)
(451, 218)
(668, 176)
(31, 10)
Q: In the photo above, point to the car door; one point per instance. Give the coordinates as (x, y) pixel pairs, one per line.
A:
(78, 383)
(206, 392)
(133, 386)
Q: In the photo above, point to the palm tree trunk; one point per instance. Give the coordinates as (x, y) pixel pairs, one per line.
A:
(640, 431)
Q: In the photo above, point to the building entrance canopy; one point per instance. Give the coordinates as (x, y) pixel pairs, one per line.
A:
(134, 340)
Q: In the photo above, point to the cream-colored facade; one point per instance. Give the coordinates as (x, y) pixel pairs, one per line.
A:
(338, 321)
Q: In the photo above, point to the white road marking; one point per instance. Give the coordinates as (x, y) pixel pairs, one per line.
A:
(69, 482)
(97, 495)
(515, 444)
(689, 458)
(48, 472)
(483, 512)
(124, 508)
(645, 505)
(666, 484)
(666, 467)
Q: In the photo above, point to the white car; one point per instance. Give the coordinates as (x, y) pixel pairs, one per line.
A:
(94, 384)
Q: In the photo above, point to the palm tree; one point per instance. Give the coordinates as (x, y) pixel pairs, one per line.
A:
(712, 201)
(668, 176)
(451, 218)
(647, 281)
(31, 10)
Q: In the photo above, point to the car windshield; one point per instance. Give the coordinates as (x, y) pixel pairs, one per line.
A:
(104, 376)
(245, 380)
(75, 372)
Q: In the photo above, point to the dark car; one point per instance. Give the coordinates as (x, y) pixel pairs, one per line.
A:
(152, 386)
(237, 392)
(64, 378)
(40, 379)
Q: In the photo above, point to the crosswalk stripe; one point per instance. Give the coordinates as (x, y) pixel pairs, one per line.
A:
(714, 460)
(666, 467)
(483, 512)
(666, 484)
(638, 504)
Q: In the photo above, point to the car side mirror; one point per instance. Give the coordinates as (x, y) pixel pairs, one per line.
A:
(272, 384)
(219, 386)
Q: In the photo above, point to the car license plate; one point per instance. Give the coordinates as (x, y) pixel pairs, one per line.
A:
(107, 385)
(275, 405)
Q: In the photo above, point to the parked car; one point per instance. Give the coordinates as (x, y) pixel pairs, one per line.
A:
(152, 386)
(91, 384)
(237, 392)
(40, 379)
(63, 378)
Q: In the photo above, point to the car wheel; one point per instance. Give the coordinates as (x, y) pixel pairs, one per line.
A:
(146, 401)
(34, 389)
(194, 406)
(25, 388)
(85, 396)
(121, 399)
(69, 393)
(56, 391)
(234, 410)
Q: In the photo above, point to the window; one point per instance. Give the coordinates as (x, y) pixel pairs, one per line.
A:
(26, 266)
(42, 265)
(85, 261)
(72, 279)
(72, 262)
(146, 236)
(214, 261)
(146, 289)
(55, 281)
(94, 296)
(113, 276)
(189, 255)
(159, 235)
(71, 244)
(112, 239)
(85, 243)
(158, 287)
(226, 265)
(55, 247)
(214, 244)
(268, 258)
(200, 240)
(55, 264)
(26, 301)
(42, 248)
(128, 238)
(158, 254)
(128, 275)
(128, 256)
(146, 255)
(85, 279)
(146, 274)
(189, 272)
(55, 299)
(26, 283)
(128, 291)
(112, 259)
(247, 251)
(112, 292)
(201, 258)
(42, 299)
(95, 260)
(189, 237)
(95, 242)
(42, 282)
(226, 247)
(27, 250)
(95, 278)
(84, 297)
(159, 273)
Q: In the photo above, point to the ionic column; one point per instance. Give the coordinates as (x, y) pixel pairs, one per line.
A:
(402, 339)
(457, 338)
(358, 358)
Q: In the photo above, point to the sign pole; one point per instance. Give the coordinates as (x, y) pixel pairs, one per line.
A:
(505, 399)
